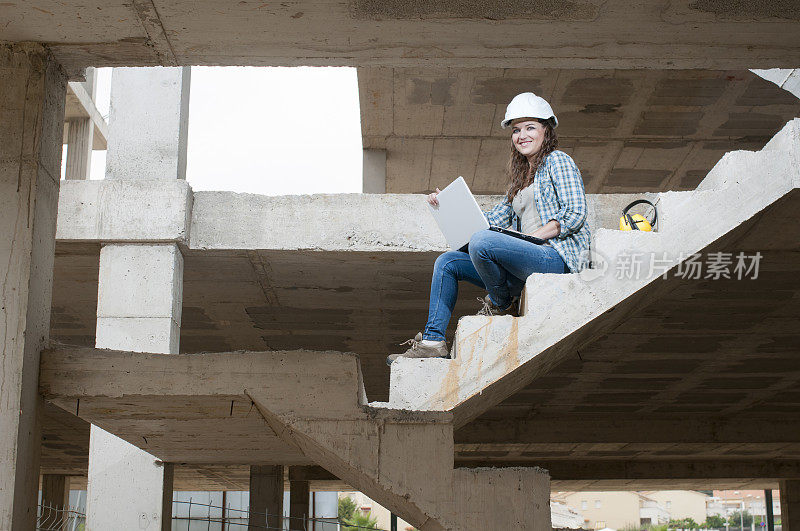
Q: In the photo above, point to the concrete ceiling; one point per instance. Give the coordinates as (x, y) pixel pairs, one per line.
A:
(513, 33)
(628, 130)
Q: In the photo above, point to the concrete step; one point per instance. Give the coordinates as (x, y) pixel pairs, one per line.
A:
(495, 356)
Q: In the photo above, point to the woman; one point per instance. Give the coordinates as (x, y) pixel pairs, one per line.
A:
(545, 184)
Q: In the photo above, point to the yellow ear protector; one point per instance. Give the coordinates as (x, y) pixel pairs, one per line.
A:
(638, 221)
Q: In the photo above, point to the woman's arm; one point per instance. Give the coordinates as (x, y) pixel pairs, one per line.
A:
(551, 229)
(500, 215)
(571, 215)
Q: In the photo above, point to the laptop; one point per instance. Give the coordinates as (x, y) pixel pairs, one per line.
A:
(459, 217)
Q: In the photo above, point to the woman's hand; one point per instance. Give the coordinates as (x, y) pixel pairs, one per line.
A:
(549, 230)
(432, 198)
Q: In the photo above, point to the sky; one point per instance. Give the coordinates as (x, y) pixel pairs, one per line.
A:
(271, 131)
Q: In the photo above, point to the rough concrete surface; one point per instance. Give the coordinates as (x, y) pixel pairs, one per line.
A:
(32, 89)
(124, 211)
(148, 123)
(574, 34)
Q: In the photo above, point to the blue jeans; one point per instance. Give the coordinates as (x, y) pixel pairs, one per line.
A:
(496, 262)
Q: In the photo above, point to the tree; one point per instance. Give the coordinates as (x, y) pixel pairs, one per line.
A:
(352, 519)
(739, 517)
(360, 521)
(347, 508)
(715, 522)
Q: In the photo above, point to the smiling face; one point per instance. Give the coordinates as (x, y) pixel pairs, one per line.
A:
(527, 135)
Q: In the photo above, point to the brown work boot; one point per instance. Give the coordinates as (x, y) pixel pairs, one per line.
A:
(490, 310)
(419, 350)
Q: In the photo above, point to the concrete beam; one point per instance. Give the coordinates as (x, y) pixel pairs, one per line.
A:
(124, 211)
(630, 429)
(677, 469)
(344, 222)
(675, 35)
(32, 88)
(310, 473)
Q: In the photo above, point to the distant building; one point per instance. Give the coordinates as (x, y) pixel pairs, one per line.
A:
(563, 516)
(726, 502)
(614, 509)
(682, 503)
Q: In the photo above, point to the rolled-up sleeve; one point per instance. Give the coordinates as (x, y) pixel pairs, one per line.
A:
(500, 215)
(568, 183)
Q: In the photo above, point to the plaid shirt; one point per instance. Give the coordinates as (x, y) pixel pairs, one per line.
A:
(559, 196)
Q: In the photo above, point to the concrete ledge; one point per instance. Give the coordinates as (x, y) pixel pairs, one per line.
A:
(130, 211)
(124, 211)
(342, 222)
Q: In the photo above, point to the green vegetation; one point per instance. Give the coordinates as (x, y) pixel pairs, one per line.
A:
(347, 508)
(715, 522)
(646, 527)
(683, 523)
(737, 517)
(353, 519)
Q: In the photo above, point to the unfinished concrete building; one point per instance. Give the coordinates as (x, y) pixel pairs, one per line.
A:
(155, 338)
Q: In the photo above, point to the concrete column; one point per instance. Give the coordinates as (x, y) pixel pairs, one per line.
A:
(55, 500)
(80, 138)
(374, 171)
(139, 309)
(790, 505)
(128, 488)
(298, 504)
(266, 497)
(140, 290)
(80, 135)
(149, 123)
(32, 94)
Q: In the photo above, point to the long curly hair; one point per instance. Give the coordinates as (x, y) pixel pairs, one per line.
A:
(520, 171)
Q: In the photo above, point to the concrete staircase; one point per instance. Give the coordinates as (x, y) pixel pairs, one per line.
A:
(292, 406)
(493, 357)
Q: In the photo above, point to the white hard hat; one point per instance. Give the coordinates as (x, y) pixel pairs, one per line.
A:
(528, 105)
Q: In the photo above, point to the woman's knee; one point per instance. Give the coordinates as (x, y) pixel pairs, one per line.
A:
(480, 242)
(444, 261)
